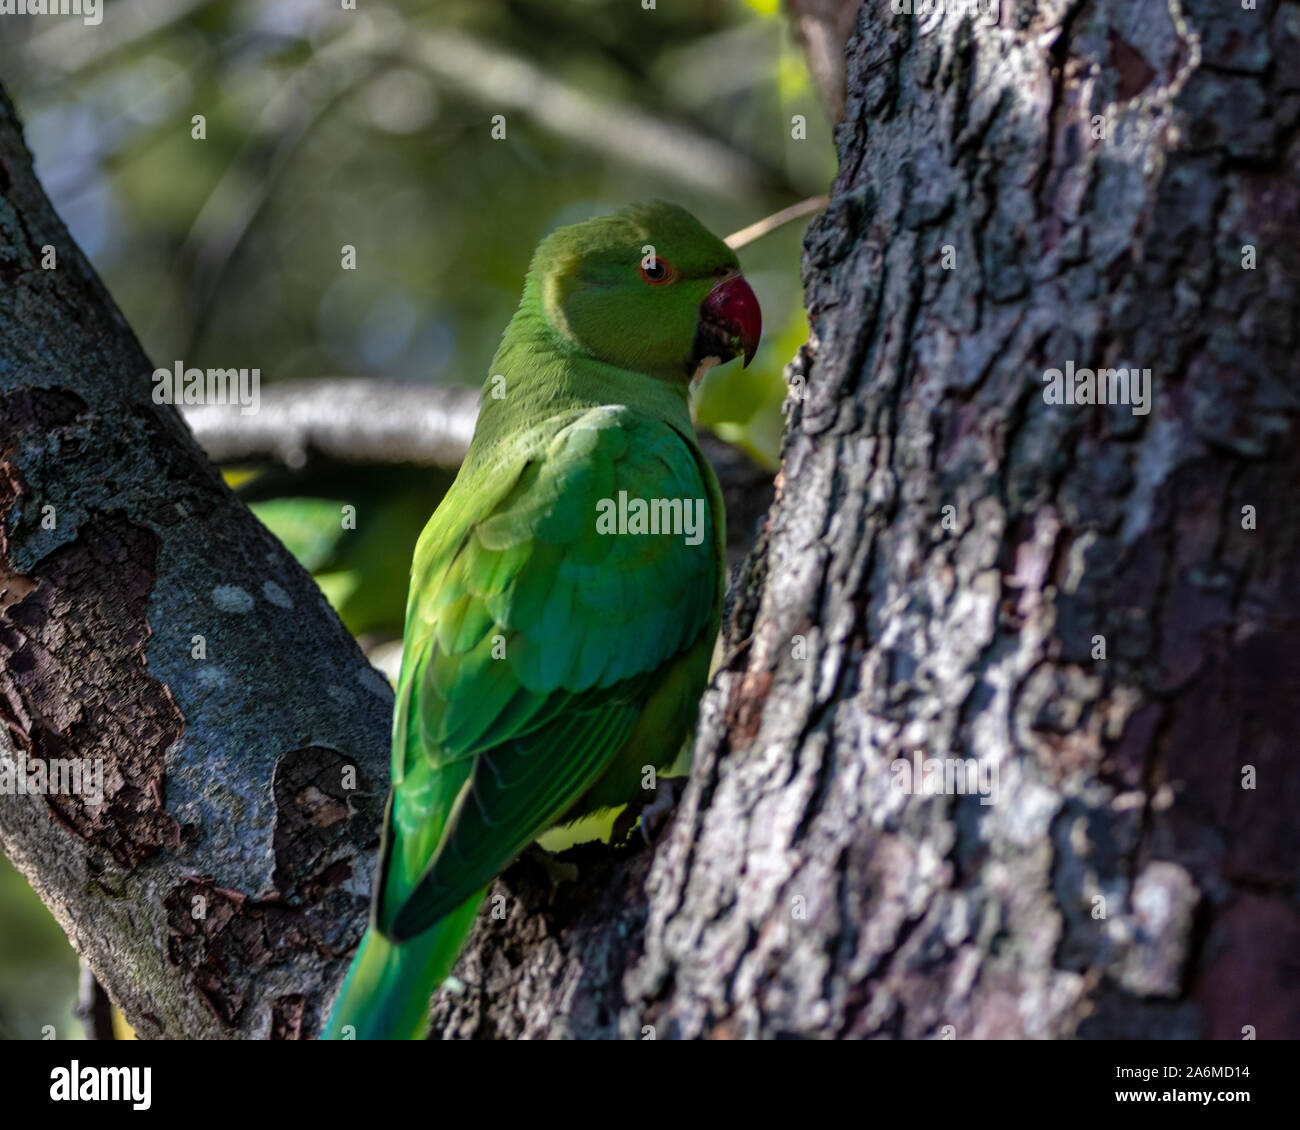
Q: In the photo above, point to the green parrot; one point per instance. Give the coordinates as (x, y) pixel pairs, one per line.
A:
(554, 645)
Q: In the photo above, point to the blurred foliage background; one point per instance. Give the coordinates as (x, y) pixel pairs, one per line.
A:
(325, 126)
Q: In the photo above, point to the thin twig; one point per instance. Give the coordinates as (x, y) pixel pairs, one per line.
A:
(350, 419)
(757, 230)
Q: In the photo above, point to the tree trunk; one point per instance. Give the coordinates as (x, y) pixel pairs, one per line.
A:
(1099, 619)
(151, 628)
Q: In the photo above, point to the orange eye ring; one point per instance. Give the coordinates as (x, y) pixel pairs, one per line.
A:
(658, 272)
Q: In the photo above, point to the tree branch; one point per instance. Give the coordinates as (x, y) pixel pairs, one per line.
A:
(349, 419)
(153, 632)
(369, 420)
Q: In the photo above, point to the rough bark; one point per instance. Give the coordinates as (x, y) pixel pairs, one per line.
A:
(1125, 883)
(217, 888)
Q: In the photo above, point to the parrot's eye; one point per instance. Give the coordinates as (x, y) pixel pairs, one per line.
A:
(658, 272)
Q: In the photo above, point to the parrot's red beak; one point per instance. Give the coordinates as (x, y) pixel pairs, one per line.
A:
(730, 322)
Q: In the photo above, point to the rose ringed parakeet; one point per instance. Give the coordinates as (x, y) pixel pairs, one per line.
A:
(566, 594)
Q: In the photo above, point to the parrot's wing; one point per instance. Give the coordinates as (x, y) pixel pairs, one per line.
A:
(536, 632)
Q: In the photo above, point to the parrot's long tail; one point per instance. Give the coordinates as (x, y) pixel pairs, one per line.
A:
(386, 993)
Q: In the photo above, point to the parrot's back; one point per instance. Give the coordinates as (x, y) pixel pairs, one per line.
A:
(562, 613)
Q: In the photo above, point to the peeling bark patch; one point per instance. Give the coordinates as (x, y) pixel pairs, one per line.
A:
(13, 587)
(219, 935)
(287, 1016)
(37, 410)
(313, 804)
(745, 708)
(73, 683)
(73, 676)
(1133, 72)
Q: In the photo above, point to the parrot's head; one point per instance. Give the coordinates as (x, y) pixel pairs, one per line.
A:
(648, 289)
